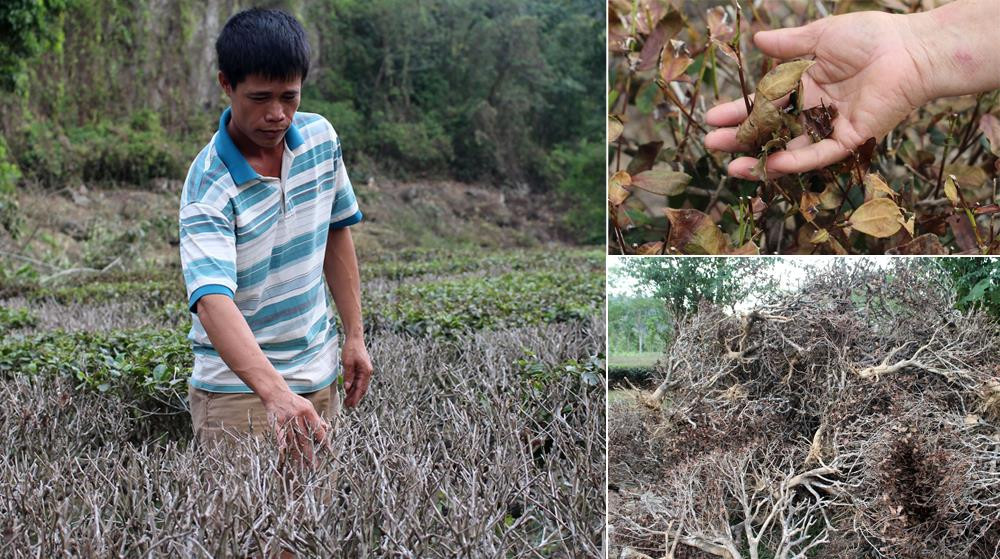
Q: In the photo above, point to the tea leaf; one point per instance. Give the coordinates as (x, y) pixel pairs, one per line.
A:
(693, 232)
(879, 217)
(615, 128)
(782, 80)
(617, 193)
(990, 127)
(951, 190)
(663, 181)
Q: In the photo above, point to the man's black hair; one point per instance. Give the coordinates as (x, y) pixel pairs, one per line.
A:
(268, 43)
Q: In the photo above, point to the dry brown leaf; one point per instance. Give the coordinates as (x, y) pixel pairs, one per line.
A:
(951, 191)
(615, 128)
(820, 237)
(693, 232)
(674, 60)
(879, 217)
(650, 248)
(809, 205)
(875, 187)
(990, 126)
(617, 193)
(928, 243)
(664, 181)
(764, 121)
(967, 175)
(782, 80)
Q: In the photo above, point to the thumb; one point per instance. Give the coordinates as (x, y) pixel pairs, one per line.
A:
(348, 369)
(791, 42)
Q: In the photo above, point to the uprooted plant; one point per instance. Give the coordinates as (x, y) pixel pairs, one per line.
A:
(855, 417)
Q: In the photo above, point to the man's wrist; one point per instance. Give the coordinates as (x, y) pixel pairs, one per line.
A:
(951, 48)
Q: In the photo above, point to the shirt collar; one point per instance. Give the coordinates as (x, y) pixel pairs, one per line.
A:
(237, 165)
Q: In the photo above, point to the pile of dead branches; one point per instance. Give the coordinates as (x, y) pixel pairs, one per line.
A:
(857, 417)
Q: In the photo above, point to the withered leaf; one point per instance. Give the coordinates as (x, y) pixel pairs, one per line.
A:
(879, 217)
(664, 181)
(644, 157)
(928, 243)
(990, 126)
(650, 248)
(674, 60)
(965, 237)
(725, 48)
(666, 28)
(863, 155)
(719, 26)
(693, 232)
(818, 121)
(967, 175)
(951, 191)
(764, 120)
(757, 206)
(809, 206)
(909, 224)
(820, 237)
(875, 187)
(782, 80)
(831, 198)
(615, 128)
(749, 248)
(617, 193)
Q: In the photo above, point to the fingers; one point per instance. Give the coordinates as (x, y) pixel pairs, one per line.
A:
(360, 387)
(734, 112)
(348, 377)
(728, 114)
(724, 139)
(798, 157)
(791, 42)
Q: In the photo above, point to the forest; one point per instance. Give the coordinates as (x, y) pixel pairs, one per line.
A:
(497, 93)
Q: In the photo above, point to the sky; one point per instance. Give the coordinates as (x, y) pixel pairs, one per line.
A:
(789, 270)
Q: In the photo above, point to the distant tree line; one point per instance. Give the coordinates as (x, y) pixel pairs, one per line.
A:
(506, 92)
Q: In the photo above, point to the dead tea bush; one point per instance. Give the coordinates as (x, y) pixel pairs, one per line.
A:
(856, 417)
(928, 187)
(491, 447)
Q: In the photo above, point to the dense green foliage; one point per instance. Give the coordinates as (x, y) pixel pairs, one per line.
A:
(681, 283)
(976, 282)
(637, 324)
(502, 92)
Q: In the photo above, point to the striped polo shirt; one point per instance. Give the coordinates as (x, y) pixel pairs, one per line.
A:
(261, 241)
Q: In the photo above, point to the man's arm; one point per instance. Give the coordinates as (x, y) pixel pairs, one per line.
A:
(340, 266)
(232, 338)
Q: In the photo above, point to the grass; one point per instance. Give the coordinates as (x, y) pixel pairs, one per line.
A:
(634, 360)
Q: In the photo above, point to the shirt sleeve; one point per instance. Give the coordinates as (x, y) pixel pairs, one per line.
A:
(208, 252)
(345, 210)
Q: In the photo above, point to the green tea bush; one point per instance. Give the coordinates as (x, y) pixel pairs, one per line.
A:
(138, 366)
(449, 307)
(12, 319)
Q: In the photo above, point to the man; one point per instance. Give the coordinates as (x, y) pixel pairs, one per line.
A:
(264, 218)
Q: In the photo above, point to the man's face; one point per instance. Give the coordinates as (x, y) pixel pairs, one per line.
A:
(263, 109)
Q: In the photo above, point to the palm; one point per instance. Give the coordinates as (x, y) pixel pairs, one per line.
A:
(864, 68)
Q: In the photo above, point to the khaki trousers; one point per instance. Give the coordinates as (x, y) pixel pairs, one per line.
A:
(215, 413)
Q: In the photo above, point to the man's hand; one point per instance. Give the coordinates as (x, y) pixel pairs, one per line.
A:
(868, 64)
(357, 370)
(297, 425)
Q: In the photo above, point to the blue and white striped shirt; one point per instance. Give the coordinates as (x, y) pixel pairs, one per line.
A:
(261, 240)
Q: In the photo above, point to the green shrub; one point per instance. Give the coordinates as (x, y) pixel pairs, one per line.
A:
(135, 365)
(448, 307)
(10, 219)
(576, 172)
(12, 319)
(420, 147)
(131, 152)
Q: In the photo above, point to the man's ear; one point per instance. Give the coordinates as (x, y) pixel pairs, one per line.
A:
(226, 87)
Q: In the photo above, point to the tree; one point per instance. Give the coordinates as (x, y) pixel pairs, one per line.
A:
(976, 282)
(682, 283)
